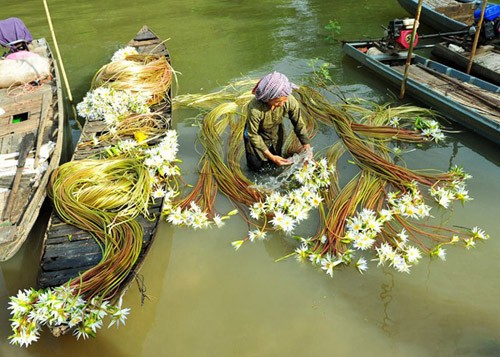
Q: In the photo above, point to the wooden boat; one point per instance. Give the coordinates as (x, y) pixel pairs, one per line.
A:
(460, 97)
(486, 63)
(31, 141)
(63, 259)
(443, 15)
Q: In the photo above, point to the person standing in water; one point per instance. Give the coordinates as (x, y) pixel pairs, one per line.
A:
(264, 130)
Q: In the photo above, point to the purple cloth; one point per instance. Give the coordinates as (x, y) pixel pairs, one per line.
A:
(13, 29)
(272, 86)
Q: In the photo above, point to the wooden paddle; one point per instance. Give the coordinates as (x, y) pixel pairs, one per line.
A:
(24, 149)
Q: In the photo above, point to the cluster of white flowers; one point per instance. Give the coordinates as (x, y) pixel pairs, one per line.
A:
(162, 158)
(362, 229)
(409, 205)
(122, 53)
(161, 161)
(194, 217)
(433, 132)
(61, 306)
(293, 206)
(445, 194)
(401, 256)
(110, 105)
(328, 262)
(476, 233)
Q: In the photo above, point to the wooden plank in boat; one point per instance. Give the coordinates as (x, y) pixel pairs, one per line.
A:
(70, 250)
(59, 277)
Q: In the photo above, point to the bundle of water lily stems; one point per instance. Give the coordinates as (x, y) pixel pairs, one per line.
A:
(103, 197)
(381, 209)
(145, 73)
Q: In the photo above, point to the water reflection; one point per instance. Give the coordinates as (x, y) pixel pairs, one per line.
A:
(386, 298)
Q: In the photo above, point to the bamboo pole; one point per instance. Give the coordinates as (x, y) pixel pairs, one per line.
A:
(410, 50)
(61, 65)
(476, 37)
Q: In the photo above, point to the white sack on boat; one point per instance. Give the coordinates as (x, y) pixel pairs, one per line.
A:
(20, 71)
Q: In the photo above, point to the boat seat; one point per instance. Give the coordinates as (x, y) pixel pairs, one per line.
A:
(18, 45)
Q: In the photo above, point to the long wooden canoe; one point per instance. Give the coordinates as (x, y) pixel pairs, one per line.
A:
(68, 251)
(460, 97)
(31, 141)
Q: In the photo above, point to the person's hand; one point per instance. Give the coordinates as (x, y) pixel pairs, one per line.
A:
(276, 159)
(280, 161)
(308, 150)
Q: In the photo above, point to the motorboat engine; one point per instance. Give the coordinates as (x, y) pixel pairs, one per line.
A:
(399, 33)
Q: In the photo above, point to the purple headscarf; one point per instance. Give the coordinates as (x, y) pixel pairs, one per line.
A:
(272, 86)
(13, 29)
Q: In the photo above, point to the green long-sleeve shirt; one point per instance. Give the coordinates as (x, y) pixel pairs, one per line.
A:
(265, 127)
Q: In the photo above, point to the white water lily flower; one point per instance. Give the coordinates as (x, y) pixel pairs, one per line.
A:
(218, 221)
(413, 254)
(302, 252)
(255, 212)
(363, 241)
(394, 121)
(385, 215)
(403, 236)
(315, 258)
(176, 216)
(288, 224)
(399, 263)
(441, 253)
(119, 317)
(478, 233)
(469, 243)
(361, 265)
(251, 236)
(278, 219)
(237, 244)
(261, 235)
(158, 193)
(329, 263)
